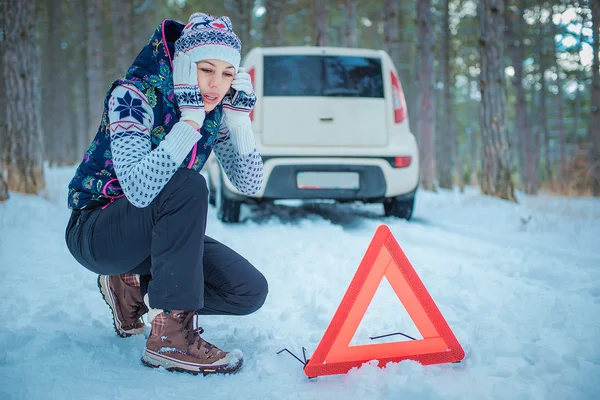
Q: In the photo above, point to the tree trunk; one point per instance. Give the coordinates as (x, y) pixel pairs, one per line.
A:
(3, 135)
(407, 63)
(320, 10)
(475, 157)
(543, 64)
(560, 107)
(594, 124)
(47, 61)
(562, 140)
(248, 24)
(274, 29)
(474, 139)
(3, 143)
(515, 31)
(350, 36)
(579, 78)
(3, 188)
(439, 126)
(122, 14)
(577, 104)
(240, 13)
(536, 139)
(54, 77)
(148, 15)
(448, 135)
(95, 73)
(77, 59)
(22, 123)
(391, 31)
(496, 180)
(426, 118)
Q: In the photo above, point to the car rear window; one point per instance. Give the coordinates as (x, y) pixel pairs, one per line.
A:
(307, 75)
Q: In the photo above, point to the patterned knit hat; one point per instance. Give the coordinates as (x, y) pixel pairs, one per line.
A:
(208, 37)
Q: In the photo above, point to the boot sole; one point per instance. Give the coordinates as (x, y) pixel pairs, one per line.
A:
(110, 301)
(155, 360)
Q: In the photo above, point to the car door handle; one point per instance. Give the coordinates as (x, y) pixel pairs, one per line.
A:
(326, 119)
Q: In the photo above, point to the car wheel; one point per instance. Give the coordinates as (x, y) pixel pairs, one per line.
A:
(229, 210)
(399, 207)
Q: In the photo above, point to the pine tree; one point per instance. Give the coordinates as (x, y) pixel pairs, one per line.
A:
(22, 130)
(496, 180)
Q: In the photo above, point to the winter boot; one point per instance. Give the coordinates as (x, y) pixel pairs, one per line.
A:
(175, 344)
(123, 296)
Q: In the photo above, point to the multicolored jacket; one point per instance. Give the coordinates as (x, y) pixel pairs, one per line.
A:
(95, 182)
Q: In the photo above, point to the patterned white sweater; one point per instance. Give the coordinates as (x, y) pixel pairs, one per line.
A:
(143, 172)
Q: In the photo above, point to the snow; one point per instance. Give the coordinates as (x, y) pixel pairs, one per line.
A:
(519, 284)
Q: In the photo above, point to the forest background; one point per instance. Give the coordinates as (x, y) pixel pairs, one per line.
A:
(504, 94)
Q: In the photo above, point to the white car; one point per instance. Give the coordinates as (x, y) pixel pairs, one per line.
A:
(330, 123)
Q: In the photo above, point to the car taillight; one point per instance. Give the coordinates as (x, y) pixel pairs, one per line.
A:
(402, 162)
(398, 99)
(251, 73)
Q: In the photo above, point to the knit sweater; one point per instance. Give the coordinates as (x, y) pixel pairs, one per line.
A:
(140, 143)
(143, 172)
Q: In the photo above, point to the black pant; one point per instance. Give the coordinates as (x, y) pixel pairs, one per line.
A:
(166, 240)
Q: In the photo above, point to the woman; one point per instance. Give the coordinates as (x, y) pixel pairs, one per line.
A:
(140, 203)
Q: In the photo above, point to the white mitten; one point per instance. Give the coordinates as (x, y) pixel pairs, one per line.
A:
(187, 93)
(237, 105)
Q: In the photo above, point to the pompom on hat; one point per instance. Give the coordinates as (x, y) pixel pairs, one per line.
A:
(208, 37)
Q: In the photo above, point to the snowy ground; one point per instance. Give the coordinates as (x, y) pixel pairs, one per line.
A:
(523, 299)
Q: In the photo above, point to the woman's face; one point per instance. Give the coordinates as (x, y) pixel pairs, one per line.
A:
(214, 80)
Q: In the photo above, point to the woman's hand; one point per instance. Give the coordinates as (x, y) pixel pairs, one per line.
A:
(187, 93)
(240, 100)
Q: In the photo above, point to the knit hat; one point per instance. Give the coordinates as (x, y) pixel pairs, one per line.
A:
(208, 37)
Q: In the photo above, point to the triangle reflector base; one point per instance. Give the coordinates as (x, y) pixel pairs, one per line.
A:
(384, 257)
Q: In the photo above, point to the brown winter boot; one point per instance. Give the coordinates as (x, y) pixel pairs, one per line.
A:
(123, 296)
(175, 344)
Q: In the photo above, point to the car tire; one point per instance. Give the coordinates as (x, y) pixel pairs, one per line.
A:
(399, 207)
(229, 209)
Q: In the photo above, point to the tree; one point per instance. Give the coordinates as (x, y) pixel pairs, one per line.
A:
(466, 96)
(95, 73)
(350, 37)
(407, 63)
(496, 180)
(560, 107)
(543, 103)
(3, 188)
(426, 118)
(322, 27)
(515, 36)
(78, 115)
(594, 125)
(55, 81)
(448, 136)
(122, 15)
(22, 123)
(240, 13)
(148, 15)
(274, 29)
(391, 30)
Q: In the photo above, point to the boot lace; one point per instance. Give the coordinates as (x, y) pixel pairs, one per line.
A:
(193, 334)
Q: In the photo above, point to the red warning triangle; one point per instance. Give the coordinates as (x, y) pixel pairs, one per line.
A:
(384, 257)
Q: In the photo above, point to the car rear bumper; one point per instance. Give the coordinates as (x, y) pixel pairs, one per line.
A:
(378, 179)
(282, 184)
